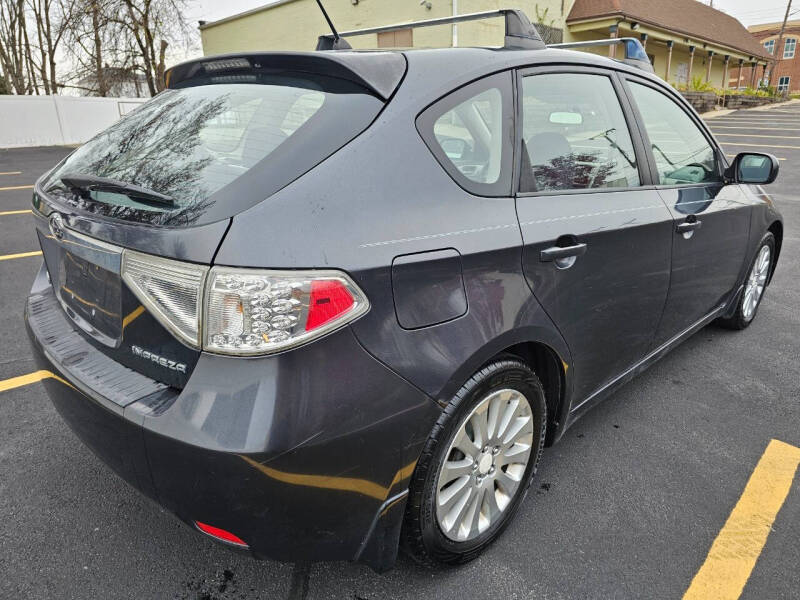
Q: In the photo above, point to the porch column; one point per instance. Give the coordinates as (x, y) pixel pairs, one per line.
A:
(644, 40)
(708, 66)
(613, 32)
(739, 80)
(670, 44)
(691, 60)
(725, 72)
(753, 74)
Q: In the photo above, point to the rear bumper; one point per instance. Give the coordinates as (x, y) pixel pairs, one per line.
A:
(304, 455)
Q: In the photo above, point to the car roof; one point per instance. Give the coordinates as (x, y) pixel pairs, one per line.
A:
(429, 72)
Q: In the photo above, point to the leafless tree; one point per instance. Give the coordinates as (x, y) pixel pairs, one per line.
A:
(96, 46)
(30, 34)
(153, 25)
(12, 45)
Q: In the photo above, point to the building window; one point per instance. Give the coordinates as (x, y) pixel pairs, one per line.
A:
(770, 46)
(783, 84)
(789, 48)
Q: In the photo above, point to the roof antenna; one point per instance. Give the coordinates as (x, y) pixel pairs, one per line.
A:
(328, 42)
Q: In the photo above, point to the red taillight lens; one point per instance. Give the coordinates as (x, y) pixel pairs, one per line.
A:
(329, 299)
(220, 534)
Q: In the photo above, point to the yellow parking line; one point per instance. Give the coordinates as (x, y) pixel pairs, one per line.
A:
(740, 542)
(16, 187)
(15, 382)
(14, 212)
(134, 314)
(20, 255)
(760, 145)
(12, 173)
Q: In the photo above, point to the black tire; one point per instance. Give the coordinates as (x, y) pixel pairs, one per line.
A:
(738, 320)
(422, 536)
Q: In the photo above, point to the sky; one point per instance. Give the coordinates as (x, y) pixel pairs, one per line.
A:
(747, 11)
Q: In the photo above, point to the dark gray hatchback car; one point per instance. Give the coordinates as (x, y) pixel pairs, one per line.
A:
(319, 304)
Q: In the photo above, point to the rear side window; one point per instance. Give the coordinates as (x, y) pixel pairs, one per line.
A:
(191, 143)
(681, 152)
(575, 134)
(469, 133)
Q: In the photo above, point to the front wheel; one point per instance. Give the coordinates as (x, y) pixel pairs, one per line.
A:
(477, 464)
(754, 286)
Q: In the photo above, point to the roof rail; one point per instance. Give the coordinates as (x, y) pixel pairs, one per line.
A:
(634, 51)
(520, 32)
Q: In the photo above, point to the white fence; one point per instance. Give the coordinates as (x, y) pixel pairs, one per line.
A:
(58, 120)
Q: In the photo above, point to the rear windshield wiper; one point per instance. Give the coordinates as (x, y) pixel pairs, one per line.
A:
(82, 184)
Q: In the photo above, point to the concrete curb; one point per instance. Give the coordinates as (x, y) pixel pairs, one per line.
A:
(726, 111)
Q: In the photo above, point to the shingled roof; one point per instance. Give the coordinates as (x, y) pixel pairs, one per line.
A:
(688, 17)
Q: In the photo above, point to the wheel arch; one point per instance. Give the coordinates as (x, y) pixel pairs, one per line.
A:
(545, 353)
(776, 228)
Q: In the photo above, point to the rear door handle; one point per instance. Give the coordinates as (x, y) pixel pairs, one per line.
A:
(557, 252)
(687, 226)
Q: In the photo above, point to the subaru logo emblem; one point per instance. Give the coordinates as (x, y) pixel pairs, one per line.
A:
(57, 226)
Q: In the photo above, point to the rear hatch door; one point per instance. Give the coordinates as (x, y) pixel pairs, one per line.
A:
(166, 179)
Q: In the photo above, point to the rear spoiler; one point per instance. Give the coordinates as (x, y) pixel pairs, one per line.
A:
(634, 51)
(520, 32)
(379, 72)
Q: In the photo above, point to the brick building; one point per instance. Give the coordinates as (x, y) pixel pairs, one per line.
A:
(787, 68)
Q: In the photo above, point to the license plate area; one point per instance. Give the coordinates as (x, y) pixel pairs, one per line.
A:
(91, 296)
(86, 276)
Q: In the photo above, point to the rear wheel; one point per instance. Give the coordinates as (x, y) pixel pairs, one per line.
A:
(477, 464)
(754, 286)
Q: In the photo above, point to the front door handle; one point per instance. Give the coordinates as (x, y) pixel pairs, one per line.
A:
(688, 226)
(557, 252)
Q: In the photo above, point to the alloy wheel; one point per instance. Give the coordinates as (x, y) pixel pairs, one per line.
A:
(484, 465)
(756, 281)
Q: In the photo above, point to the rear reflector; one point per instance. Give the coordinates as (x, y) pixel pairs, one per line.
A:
(220, 534)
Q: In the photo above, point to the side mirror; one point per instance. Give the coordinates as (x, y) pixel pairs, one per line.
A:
(753, 167)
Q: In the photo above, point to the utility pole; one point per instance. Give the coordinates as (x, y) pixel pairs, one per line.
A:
(778, 44)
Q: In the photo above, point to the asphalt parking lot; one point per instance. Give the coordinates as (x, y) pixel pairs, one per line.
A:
(627, 505)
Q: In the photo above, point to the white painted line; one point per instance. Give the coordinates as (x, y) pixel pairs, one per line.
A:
(713, 127)
(734, 156)
(760, 145)
(751, 135)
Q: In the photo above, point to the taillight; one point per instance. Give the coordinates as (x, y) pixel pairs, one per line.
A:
(257, 312)
(242, 311)
(171, 290)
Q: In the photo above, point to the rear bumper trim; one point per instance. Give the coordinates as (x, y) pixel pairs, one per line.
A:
(82, 365)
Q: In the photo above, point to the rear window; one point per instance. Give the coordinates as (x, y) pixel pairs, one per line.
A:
(194, 144)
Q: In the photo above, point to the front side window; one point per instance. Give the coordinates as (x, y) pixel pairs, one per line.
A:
(469, 133)
(682, 153)
(789, 47)
(783, 83)
(575, 135)
(770, 46)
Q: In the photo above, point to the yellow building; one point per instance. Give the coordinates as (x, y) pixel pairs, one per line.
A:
(684, 38)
